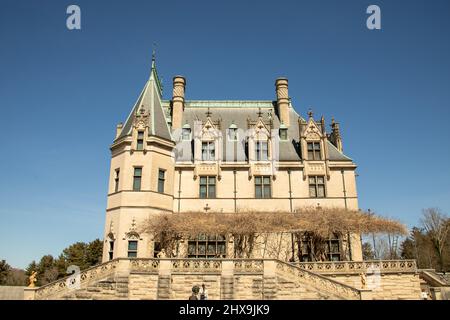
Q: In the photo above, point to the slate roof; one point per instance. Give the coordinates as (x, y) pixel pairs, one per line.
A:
(228, 111)
(150, 99)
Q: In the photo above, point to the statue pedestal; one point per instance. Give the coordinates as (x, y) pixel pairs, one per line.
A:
(29, 293)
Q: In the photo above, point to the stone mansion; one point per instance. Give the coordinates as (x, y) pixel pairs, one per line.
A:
(177, 156)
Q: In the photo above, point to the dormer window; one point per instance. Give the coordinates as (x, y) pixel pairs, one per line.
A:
(140, 140)
(208, 151)
(283, 132)
(314, 151)
(186, 132)
(232, 133)
(261, 151)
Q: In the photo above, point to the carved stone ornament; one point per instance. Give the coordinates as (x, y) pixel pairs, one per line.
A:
(141, 119)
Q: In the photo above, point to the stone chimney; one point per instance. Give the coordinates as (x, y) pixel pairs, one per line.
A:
(281, 85)
(179, 84)
(335, 136)
(119, 129)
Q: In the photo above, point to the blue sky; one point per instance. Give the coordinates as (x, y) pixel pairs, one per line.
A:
(62, 93)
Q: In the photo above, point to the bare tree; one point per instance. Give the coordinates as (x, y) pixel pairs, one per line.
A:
(437, 225)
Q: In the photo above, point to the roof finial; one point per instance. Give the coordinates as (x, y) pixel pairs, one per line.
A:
(154, 52)
(310, 113)
(208, 113)
(259, 113)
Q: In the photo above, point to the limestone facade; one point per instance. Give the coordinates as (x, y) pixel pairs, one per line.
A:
(178, 156)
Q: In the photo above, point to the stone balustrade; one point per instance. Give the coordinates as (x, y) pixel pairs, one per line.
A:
(352, 267)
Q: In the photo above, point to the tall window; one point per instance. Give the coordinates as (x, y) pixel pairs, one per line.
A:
(132, 248)
(316, 249)
(186, 133)
(161, 180)
(262, 150)
(316, 186)
(262, 187)
(207, 246)
(116, 180)
(207, 187)
(314, 151)
(111, 250)
(208, 150)
(137, 177)
(333, 249)
(140, 141)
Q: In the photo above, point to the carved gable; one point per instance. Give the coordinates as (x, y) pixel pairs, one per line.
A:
(312, 131)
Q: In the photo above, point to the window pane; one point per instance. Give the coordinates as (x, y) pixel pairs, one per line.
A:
(140, 134)
(191, 248)
(132, 254)
(266, 180)
(202, 236)
(310, 146)
(202, 248)
(312, 180)
(211, 248)
(137, 171)
(258, 180)
(137, 183)
(321, 191)
(258, 191)
(132, 245)
(310, 155)
(140, 145)
(161, 186)
(221, 248)
(320, 180)
(202, 180)
(203, 191)
(267, 191)
(212, 192)
(161, 174)
(317, 155)
(312, 191)
(212, 180)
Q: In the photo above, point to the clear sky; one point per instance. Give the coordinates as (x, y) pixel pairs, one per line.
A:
(62, 93)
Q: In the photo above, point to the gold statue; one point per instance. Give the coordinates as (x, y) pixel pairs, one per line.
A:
(32, 279)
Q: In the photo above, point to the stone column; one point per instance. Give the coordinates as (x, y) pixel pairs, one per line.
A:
(29, 293)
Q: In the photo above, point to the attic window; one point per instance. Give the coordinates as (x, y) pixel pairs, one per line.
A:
(283, 133)
(186, 133)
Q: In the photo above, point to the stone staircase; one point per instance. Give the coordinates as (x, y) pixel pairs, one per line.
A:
(123, 279)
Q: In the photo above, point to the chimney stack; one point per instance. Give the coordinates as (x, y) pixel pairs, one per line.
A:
(281, 85)
(335, 136)
(119, 129)
(179, 84)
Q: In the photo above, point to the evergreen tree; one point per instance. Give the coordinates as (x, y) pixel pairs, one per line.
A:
(4, 272)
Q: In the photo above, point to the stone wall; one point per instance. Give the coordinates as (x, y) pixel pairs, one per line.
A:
(388, 286)
(11, 293)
